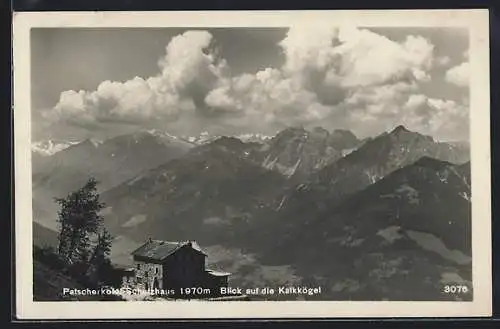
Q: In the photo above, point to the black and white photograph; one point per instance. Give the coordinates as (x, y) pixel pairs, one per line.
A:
(325, 160)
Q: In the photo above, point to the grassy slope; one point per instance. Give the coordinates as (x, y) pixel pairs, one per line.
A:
(49, 282)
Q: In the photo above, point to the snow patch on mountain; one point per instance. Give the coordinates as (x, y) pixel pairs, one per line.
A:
(256, 138)
(288, 171)
(202, 138)
(161, 134)
(346, 152)
(373, 177)
(464, 195)
(96, 142)
(205, 137)
(50, 147)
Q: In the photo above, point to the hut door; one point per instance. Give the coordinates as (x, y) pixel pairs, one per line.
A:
(155, 284)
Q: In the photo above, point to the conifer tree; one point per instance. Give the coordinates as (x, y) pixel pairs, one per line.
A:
(102, 248)
(79, 219)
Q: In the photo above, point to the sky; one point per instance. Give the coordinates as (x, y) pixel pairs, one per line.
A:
(99, 83)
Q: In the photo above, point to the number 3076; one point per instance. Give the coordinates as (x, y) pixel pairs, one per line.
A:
(455, 289)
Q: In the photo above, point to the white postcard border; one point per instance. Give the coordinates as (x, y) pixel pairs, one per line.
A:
(476, 20)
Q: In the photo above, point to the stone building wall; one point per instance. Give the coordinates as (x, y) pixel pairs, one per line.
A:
(146, 273)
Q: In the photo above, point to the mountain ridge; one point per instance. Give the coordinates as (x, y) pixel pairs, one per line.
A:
(370, 162)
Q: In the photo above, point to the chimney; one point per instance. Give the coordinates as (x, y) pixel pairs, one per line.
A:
(150, 239)
(189, 243)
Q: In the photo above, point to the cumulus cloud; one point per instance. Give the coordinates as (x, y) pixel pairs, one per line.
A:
(188, 71)
(359, 56)
(430, 115)
(459, 75)
(331, 76)
(268, 97)
(329, 73)
(443, 60)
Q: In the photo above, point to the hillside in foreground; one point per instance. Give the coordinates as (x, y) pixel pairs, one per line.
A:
(50, 279)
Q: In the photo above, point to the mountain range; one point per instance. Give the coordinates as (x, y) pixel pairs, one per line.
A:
(111, 162)
(371, 162)
(357, 216)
